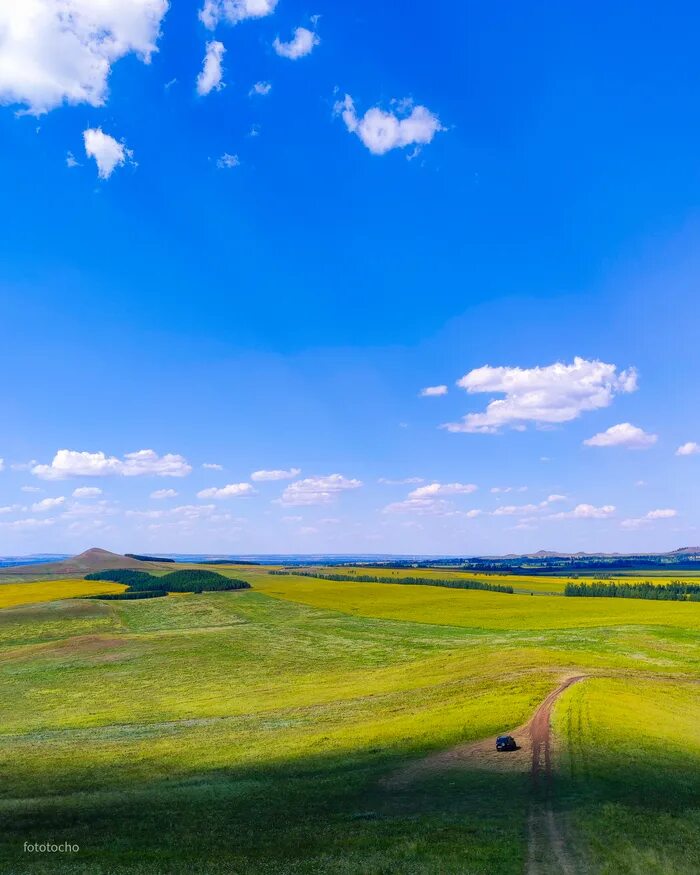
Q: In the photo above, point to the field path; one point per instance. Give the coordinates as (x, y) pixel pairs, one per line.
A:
(548, 848)
(549, 851)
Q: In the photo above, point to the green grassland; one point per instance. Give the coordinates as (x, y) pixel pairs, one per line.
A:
(257, 731)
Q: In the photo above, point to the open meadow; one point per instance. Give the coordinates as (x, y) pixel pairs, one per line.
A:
(315, 726)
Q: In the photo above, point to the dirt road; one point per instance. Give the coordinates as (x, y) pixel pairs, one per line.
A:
(549, 852)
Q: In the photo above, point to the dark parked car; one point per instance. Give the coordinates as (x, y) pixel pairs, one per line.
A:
(506, 742)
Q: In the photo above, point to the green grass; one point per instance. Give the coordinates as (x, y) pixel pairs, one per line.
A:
(253, 732)
(629, 777)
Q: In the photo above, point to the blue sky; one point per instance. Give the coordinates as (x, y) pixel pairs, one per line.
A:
(268, 281)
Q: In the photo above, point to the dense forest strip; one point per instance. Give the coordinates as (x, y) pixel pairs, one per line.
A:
(676, 591)
(186, 580)
(409, 581)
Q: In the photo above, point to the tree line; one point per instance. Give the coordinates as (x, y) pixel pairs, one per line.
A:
(676, 591)
(410, 581)
(186, 580)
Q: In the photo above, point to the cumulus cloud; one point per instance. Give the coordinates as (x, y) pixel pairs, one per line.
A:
(212, 71)
(382, 131)
(233, 11)
(164, 493)
(436, 506)
(72, 463)
(107, 152)
(623, 435)
(316, 490)
(62, 52)
(227, 161)
(261, 88)
(433, 499)
(434, 490)
(301, 44)
(664, 513)
(275, 474)
(232, 490)
(48, 504)
(691, 448)
(544, 395)
(87, 492)
(586, 512)
(528, 509)
(433, 391)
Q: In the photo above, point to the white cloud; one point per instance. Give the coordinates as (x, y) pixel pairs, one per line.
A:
(232, 490)
(30, 489)
(381, 131)
(517, 510)
(164, 493)
(212, 466)
(29, 524)
(437, 506)
(586, 512)
(80, 509)
(404, 482)
(11, 508)
(623, 435)
(433, 391)
(233, 11)
(87, 492)
(261, 88)
(552, 394)
(528, 509)
(691, 448)
(2, 464)
(665, 513)
(71, 463)
(48, 504)
(316, 490)
(212, 71)
(55, 52)
(308, 530)
(107, 152)
(23, 466)
(275, 474)
(430, 499)
(435, 490)
(301, 44)
(71, 160)
(227, 161)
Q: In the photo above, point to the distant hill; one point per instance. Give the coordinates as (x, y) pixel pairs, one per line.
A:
(94, 559)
